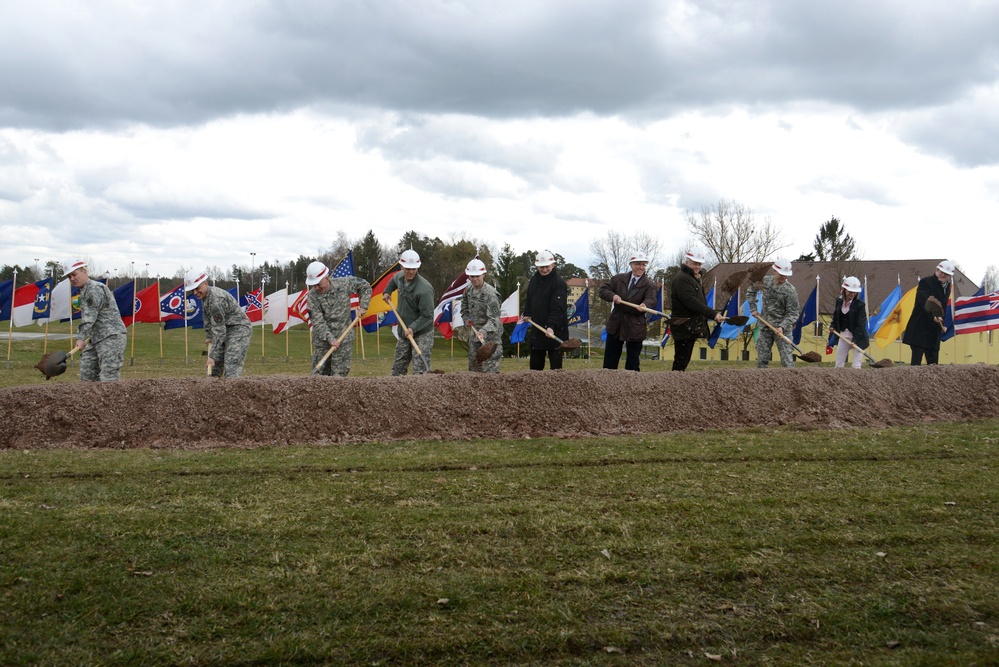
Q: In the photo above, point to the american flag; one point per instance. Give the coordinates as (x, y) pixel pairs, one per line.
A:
(345, 268)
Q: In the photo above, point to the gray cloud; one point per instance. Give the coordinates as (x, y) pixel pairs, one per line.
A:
(108, 64)
(967, 133)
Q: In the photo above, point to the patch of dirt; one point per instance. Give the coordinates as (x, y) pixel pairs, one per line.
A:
(280, 410)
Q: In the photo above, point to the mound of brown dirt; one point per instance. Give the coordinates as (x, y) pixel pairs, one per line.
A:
(250, 412)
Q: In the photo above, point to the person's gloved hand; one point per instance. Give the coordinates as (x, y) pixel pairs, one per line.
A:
(829, 349)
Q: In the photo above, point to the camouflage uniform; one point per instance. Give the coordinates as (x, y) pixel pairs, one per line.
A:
(416, 308)
(482, 307)
(780, 308)
(329, 314)
(228, 328)
(100, 321)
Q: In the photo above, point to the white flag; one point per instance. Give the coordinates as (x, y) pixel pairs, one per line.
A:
(276, 308)
(510, 310)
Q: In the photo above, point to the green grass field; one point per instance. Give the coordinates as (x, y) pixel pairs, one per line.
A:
(787, 548)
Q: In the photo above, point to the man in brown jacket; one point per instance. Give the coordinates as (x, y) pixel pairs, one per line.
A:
(626, 324)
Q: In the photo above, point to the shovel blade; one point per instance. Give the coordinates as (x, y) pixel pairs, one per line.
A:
(52, 364)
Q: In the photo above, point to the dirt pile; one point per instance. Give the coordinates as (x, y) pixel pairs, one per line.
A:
(252, 412)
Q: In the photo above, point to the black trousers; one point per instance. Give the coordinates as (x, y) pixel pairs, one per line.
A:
(932, 356)
(682, 349)
(612, 353)
(538, 359)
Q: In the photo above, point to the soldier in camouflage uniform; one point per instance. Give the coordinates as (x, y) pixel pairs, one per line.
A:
(227, 328)
(480, 307)
(780, 308)
(100, 322)
(416, 308)
(329, 314)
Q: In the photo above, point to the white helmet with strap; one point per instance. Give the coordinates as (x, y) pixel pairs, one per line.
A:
(783, 266)
(947, 267)
(410, 259)
(544, 258)
(194, 278)
(476, 267)
(695, 255)
(852, 284)
(315, 273)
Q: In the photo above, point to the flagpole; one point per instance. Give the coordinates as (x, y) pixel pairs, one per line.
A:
(160, 316)
(187, 352)
(360, 332)
(815, 325)
(589, 352)
(950, 304)
(131, 361)
(10, 327)
(263, 317)
(287, 327)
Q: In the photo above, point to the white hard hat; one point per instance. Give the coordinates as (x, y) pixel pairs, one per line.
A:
(946, 266)
(315, 272)
(852, 284)
(544, 258)
(410, 259)
(475, 268)
(72, 265)
(783, 266)
(696, 255)
(193, 278)
(638, 257)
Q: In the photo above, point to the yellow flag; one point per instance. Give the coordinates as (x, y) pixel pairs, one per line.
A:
(894, 324)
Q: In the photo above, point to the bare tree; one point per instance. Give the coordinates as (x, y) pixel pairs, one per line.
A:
(730, 232)
(611, 254)
(990, 281)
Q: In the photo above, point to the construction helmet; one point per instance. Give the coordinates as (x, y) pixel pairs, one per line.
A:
(193, 278)
(315, 272)
(410, 259)
(852, 284)
(72, 265)
(946, 266)
(544, 258)
(475, 268)
(783, 266)
(696, 255)
(638, 257)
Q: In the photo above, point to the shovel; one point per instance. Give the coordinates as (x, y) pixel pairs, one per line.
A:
(485, 350)
(935, 308)
(339, 340)
(810, 357)
(563, 345)
(736, 320)
(54, 363)
(412, 341)
(884, 363)
(670, 321)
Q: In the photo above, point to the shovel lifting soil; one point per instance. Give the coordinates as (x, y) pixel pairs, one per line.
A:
(485, 350)
(733, 282)
(759, 272)
(563, 345)
(810, 357)
(884, 363)
(936, 309)
(54, 363)
(736, 320)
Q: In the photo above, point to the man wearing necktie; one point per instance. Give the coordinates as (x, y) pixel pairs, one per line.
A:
(626, 324)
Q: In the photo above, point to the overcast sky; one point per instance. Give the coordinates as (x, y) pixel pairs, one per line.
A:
(194, 133)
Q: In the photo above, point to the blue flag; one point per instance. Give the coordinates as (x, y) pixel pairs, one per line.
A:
(948, 322)
(887, 306)
(579, 312)
(808, 314)
(710, 298)
(652, 317)
(519, 333)
(731, 310)
(6, 299)
(195, 315)
(43, 300)
(124, 296)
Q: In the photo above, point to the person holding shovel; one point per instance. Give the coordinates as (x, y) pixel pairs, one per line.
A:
(925, 327)
(329, 316)
(849, 320)
(687, 301)
(632, 294)
(100, 323)
(480, 309)
(780, 309)
(545, 306)
(227, 328)
(416, 312)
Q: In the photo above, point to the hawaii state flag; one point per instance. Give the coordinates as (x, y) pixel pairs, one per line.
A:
(974, 314)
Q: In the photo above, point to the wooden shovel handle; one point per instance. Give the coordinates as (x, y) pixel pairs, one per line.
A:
(853, 345)
(541, 328)
(339, 339)
(412, 341)
(786, 339)
(647, 309)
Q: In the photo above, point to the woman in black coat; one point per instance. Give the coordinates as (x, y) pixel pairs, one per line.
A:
(851, 325)
(923, 331)
(687, 301)
(545, 305)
